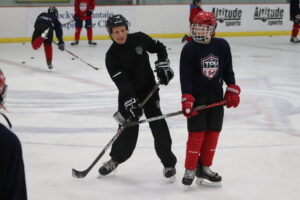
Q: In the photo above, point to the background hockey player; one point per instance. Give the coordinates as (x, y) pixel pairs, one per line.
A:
(205, 63)
(127, 62)
(295, 17)
(12, 176)
(195, 8)
(43, 33)
(83, 12)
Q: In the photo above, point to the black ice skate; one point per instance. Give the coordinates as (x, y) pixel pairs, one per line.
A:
(169, 173)
(75, 43)
(205, 176)
(188, 177)
(92, 43)
(108, 167)
(49, 64)
(294, 40)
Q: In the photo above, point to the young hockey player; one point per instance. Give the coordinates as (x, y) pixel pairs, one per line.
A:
(205, 63)
(43, 33)
(295, 17)
(84, 12)
(12, 176)
(128, 65)
(195, 8)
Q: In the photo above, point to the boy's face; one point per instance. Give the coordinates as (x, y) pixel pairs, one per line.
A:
(119, 34)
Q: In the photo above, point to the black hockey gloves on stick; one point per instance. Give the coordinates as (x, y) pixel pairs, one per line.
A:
(198, 108)
(96, 68)
(82, 174)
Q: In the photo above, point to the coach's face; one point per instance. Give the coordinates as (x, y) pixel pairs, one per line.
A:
(119, 34)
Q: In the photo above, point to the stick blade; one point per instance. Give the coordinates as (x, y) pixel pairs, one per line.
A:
(78, 174)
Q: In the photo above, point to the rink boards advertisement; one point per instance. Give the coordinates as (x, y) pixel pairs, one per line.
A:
(169, 21)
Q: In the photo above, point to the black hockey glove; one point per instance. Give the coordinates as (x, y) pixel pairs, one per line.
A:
(133, 109)
(61, 45)
(89, 13)
(76, 18)
(164, 71)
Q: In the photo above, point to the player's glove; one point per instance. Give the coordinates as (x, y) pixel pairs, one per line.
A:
(132, 108)
(61, 45)
(232, 95)
(187, 102)
(164, 71)
(89, 13)
(76, 18)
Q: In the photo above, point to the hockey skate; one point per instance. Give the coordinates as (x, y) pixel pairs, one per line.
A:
(294, 40)
(75, 43)
(205, 176)
(107, 168)
(188, 178)
(169, 173)
(92, 43)
(49, 64)
(44, 35)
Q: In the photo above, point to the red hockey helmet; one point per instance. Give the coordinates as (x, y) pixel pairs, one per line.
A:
(203, 27)
(3, 87)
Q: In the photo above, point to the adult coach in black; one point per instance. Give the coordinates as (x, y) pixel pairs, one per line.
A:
(205, 63)
(127, 62)
(12, 176)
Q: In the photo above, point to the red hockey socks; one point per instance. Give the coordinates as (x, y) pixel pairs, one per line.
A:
(209, 147)
(193, 147)
(89, 33)
(77, 33)
(37, 43)
(48, 52)
(295, 30)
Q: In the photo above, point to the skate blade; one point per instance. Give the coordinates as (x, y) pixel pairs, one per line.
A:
(205, 182)
(171, 179)
(187, 188)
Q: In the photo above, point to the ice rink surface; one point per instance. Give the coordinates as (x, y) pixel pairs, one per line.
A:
(64, 119)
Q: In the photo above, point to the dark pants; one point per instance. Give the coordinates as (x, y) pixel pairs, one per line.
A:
(39, 29)
(210, 119)
(88, 23)
(124, 146)
(12, 176)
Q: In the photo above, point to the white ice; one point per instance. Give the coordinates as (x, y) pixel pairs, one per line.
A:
(64, 119)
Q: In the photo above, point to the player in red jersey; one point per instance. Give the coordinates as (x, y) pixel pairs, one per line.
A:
(83, 12)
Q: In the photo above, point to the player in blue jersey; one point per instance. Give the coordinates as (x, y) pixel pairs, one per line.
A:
(205, 63)
(43, 33)
(12, 176)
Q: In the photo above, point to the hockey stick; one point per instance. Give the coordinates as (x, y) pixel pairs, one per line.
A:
(73, 20)
(96, 68)
(198, 108)
(82, 174)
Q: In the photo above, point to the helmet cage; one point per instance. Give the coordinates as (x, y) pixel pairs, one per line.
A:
(201, 33)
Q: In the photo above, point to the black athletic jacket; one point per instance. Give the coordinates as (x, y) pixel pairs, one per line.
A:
(52, 21)
(129, 67)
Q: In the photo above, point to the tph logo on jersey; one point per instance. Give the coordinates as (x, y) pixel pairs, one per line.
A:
(210, 66)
